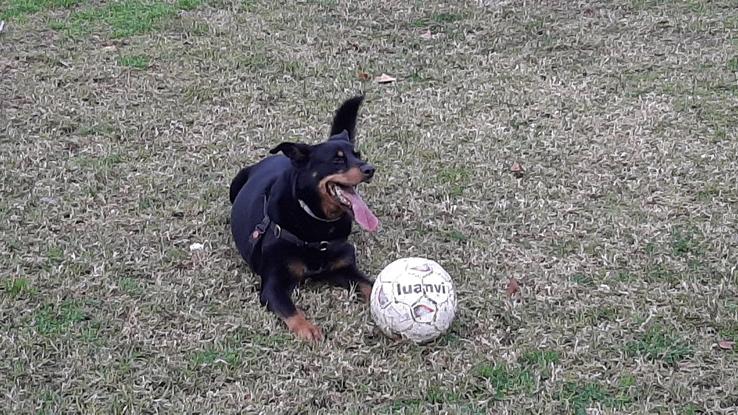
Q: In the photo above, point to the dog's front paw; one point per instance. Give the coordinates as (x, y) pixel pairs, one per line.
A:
(310, 332)
(303, 328)
(366, 291)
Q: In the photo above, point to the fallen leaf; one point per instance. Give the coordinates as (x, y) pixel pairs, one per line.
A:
(427, 35)
(363, 76)
(726, 344)
(384, 79)
(197, 247)
(517, 169)
(512, 287)
(109, 48)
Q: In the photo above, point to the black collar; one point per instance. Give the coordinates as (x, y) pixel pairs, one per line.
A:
(305, 206)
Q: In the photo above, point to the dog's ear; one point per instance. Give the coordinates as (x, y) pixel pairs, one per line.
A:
(297, 152)
(343, 135)
(345, 117)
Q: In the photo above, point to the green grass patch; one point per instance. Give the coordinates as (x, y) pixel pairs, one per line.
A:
(437, 19)
(446, 17)
(49, 402)
(418, 76)
(506, 380)
(102, 128)
(54, 255)
(594, 316)
(565, 247)
(581, 396)
(17, 287)
(710, 191)
(17, 8)
(683, 242)
(456, 178)
(627, 381)
(733, 64)
(583, 279)
(130, 286)
(730, 332)
(662, 273)
(540, 361)
(691, 409)
(91, 333)
(271, 340)
(441, 395)
(625, 276)
(406, 406)
(188, 4)
(134, 61)
(539, 358)
(125, 18)
(57, 319)
(196, 93)
(658, 344)
(324, 3)
(455, 235)
(211, 357)
(248, 5)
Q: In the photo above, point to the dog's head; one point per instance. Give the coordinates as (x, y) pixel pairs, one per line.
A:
(327, 176)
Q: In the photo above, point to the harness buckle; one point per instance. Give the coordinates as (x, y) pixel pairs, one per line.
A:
(323, 246)
(277, 231)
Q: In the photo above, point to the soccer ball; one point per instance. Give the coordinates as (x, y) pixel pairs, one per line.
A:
(413, 298)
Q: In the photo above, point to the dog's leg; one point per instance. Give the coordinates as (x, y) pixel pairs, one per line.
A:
(349, 277)
(275, 295)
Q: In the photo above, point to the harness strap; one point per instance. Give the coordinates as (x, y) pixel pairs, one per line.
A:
(267, 225)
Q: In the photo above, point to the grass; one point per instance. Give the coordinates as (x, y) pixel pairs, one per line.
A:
(578, 397)
(19, 8)
(54, 320)
(130, 286)
(540, 358)
(730, 332)
(125, 120)
(733, 64)
(437, 20)
(684, 242)
(123, 18)
(505, 380)
(134, 61)
(211, 357)
(16, 287)
(657, 343)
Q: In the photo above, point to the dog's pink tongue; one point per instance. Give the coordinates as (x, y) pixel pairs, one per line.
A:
(362, 214)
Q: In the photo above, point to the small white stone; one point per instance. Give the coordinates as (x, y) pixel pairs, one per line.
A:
(197, 247)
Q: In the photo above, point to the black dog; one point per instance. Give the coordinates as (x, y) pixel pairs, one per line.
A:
(292, 214)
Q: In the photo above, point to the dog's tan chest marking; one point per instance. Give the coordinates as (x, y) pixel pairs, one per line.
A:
(339, 263)
(297, 270)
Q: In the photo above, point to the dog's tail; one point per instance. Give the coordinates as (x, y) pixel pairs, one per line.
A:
(345, 118)
(237, 183)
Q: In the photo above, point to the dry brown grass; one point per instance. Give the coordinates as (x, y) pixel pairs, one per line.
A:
(117, 147)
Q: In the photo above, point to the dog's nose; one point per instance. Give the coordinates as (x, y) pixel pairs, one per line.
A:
(367, 170)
